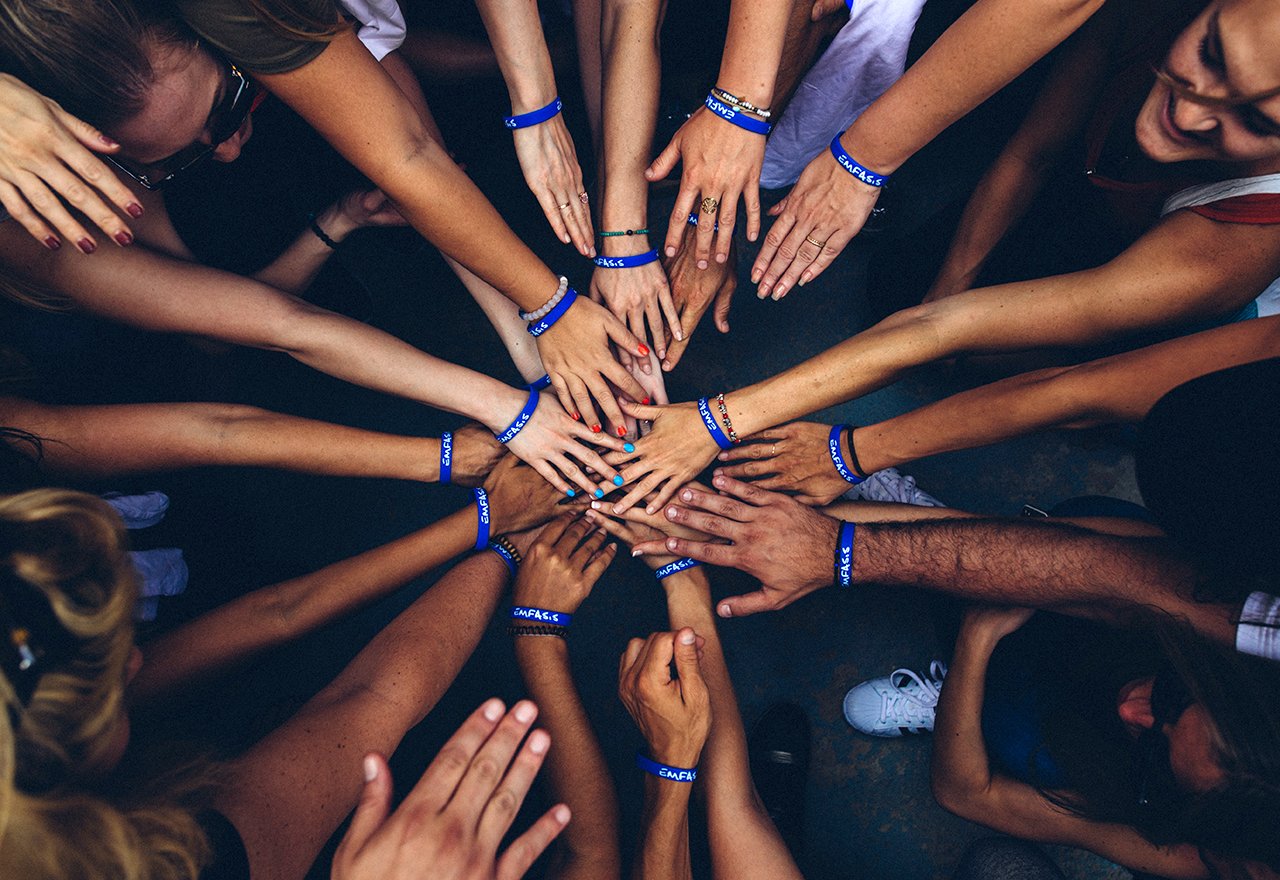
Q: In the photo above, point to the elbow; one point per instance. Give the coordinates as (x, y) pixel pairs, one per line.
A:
(291, 326)
(956, 794)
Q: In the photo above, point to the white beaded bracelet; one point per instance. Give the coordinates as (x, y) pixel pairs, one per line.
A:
(550, 304)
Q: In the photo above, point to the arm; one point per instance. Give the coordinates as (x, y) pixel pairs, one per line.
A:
(545, 150)
(664, 841)
(100, 441)
(557, 575)
(964, 783)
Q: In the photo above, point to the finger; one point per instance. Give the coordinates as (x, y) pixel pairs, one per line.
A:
(84, 132)
(551, 208)
(835, 245)
(372, 808)
(720, 505)
(525, 849)
(573, 536)
(743, 491)
(656, 662)
(490, 763)
(672, 315)
(763, 272)
(728, 214)
(750, 470)
(583, 235)
(624, 338)
(590, 547)
(751, 200)
(554, 530)
(612, 527)
(609, 478)
(635, 323)
(724, 297)
(684, 206)
(666, 161)
(625, 382)
(746, 605)
(629, 658)
(552, 476)
(604, 397)
(686, 657)
(641, 411)
(756, 448)
(94, 172)
(805, 253)
(638, 493)
(676, 350)
(706, 231)
(565, 395)
(85, 200)
(19, 210)
(582, 404)
(653, 314)
(49, 207)
(584, 433)
(707, 523)
(501, 810)
(440, 780)
(713, 554)
(571, 471)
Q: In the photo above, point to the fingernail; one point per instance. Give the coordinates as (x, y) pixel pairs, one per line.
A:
(562, 814)
(702, 264)
(671, 543)
(718, 482)
(622, 431)
(628, 447)
(108, 141)
(779, 291)
(370, 768)
(636, 553)
(595, 429)
(646, 400)
(671, 252)
(52, 243)
(124, 239)
(717, 472)
(672, 513)
(724, 456)
(642, 348)
(617, 480)
(493, 710)
(525, 712)
(571, 492)
(577, 417)
(595, 505)
(134, 209)
(726, 611)
(86, 246)
(599, 493)
(687, 637)
(686, 495)
(755, 277)
(538, 742)
(801, 282)
(666, 365)
(720, 258)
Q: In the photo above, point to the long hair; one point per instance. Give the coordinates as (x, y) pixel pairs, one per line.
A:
(65, 551)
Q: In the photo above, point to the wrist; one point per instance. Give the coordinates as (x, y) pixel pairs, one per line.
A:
(875, 152)
(335, 223)
(501, 407)
(625, 245)
(532, 93)
(682, 753)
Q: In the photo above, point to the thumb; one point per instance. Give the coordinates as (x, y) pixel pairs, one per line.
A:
(639, 410)
(372, 200)
(744, 606)
(723, 299)
(686, 651)
(375, 802)
(86, 133)
(666, 161)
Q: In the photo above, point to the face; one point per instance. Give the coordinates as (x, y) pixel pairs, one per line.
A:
(1227, 52)
(1192, 755)
(182, 108)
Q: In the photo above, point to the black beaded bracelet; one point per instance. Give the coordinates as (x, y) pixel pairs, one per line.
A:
(535, 629)
(320, 233)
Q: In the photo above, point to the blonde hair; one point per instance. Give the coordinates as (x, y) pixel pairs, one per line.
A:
(69, 549)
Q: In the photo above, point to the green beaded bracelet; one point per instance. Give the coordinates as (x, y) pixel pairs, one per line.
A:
(624, 232)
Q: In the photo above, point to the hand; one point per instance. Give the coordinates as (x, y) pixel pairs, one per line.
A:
(563, 565)
(721, 161)
(357, 210)
(793, 458)
(519, 497)
(550, 444)
(694, 290)
(655, 389)
(788, 547)
(576, 354)
(451, 824)
(823, 8)
(637, 527)
(44, 157)
(828, 205)
(674, 714)
(995, 621)
(475, 454)
(551, 169)
(636, 295)
(672, 454)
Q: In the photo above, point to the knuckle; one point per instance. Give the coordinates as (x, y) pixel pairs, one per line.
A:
(453, 759)
(486, 769)
(505, 802)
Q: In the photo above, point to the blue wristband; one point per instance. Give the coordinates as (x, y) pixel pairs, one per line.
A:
(665, 771)
(737, 117)
(545, 323)
(539, 384)
(521, 420)
(844, 554)
(713, 427)
(866, 175)
(482, 518)
(540, 615)
(446, 457)
(674, 567)
(849, 3)
(693, 221)
(506, 556)
(627, 262)
(533, 117)
(833, 446)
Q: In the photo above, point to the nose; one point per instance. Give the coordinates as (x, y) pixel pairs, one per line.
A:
(1194, 117)
(228, 150)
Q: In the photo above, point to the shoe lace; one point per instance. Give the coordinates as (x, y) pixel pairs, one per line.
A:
(908, 706)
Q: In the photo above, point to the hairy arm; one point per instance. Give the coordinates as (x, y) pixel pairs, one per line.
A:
(664, 842)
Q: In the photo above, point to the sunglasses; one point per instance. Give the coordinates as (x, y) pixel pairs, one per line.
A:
(237, 102)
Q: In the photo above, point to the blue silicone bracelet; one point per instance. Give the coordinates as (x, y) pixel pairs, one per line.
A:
(627, 262)
(505, 555)
(737, 117)
(539, 384)
(863, 173)
(540, 615)
(844, 554)
(446, 457)
(693, 221)
(849, 3)
(665, 771)
(521, 420)
(533, 117)
(482, 518)
(833, 446)
(713, 427)
(674, 567)
(542, 325)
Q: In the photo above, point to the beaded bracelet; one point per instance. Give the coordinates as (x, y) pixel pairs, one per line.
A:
(627, 262)
(482, 517)
(521, 420)
(833, 448)
(675, 567)
(540, 615)
(624, 232)
(533, 117)
(537, 328)
(524, 629)
(320, 233)
(549, 304)
(844, 554)
(736, 117)
(861, 172)
(446, 457)
(724, 417)
(712, 426)
(665, 771)
(741, 103)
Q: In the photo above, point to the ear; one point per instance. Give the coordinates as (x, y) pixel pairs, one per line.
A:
(1134, 707)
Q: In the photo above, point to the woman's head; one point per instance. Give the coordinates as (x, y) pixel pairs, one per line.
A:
(1217, 97)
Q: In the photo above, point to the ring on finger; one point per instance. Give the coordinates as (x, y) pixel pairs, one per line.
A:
(583, 197)
(564, 206)
(818, 244)
(710, 205)
(773, 450)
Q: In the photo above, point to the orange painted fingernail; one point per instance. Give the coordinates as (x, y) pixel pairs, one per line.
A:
(577, 417)
(645, 401)
(595, 429)
(622, 432)
(644, 349)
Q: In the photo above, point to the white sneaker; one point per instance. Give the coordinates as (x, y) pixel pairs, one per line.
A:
(899, 703)
(890, 485)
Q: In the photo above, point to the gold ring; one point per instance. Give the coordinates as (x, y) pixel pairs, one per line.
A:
(773, 450)
(818, 244)
(583, 197)
(709, 205)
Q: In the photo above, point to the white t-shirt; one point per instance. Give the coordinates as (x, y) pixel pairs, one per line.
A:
(1259, 630)
(382, 26)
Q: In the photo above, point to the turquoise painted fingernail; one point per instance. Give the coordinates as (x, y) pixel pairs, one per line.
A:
(617, 480)
(628, 447)
(570, 492)
(599, 493)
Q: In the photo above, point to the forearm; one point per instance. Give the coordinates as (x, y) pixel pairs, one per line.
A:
(753, 49)
(961, 769)
(273, 615)
(579, 775)
(300, 263)
(515, 30)
(993, 42)
(101, 441)
(664, 844)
